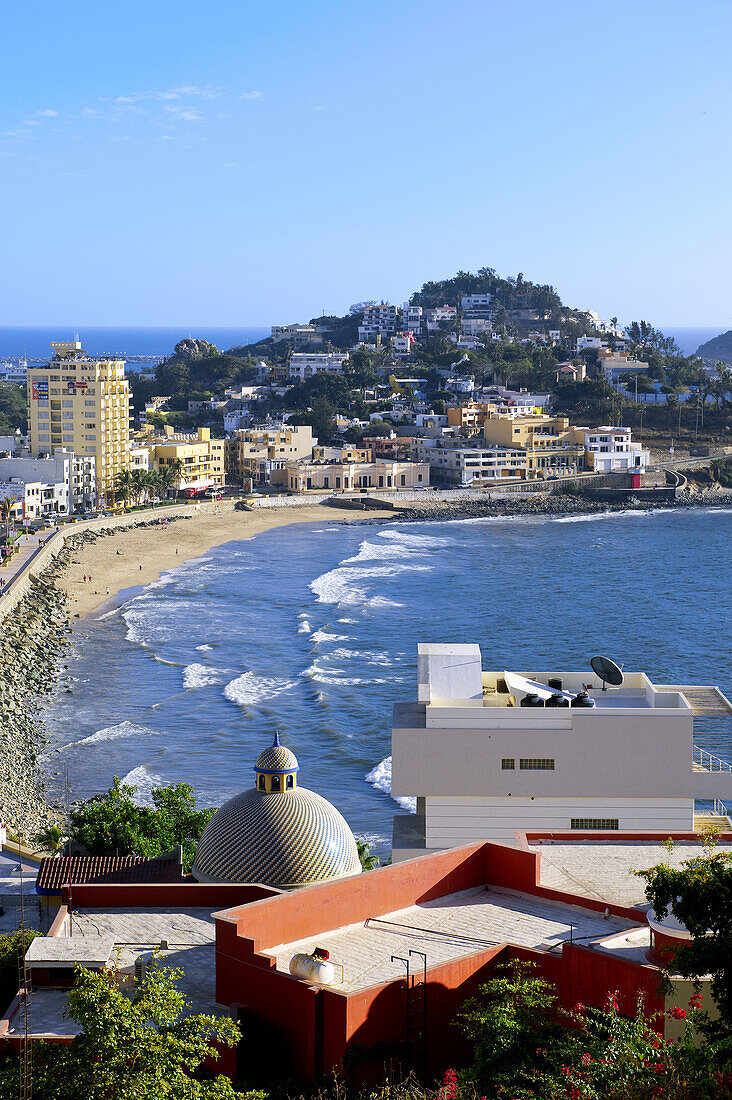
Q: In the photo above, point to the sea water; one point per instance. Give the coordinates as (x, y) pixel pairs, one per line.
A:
(312, 630)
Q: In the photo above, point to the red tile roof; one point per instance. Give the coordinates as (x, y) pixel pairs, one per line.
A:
(54, 874)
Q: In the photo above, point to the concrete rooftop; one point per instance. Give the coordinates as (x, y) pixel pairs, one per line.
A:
(604, 869)
(448, 928)
(190, 934)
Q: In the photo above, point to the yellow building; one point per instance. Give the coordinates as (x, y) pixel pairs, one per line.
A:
(304, 477)
(200, 456)
(257, 453)
(83, 404)
(549, 442)
(472, 415)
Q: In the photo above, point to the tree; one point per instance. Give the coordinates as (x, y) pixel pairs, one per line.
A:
(699, 894)
(13, 408)
(143, 1047)
(6, 512)
(510, 1021)
(124, 486)
(112, 823)
(139, 484)
(368, 862)
(11, 944)
(50, 840)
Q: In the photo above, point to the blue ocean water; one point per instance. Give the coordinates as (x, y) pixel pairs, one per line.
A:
(689, 339)
(313, 629)
(34, 341)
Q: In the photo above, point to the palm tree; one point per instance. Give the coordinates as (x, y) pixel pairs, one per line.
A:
(50, 840)
(139, 484)
(123, 486)
(6, 511)
(153, 483)
(167, 479)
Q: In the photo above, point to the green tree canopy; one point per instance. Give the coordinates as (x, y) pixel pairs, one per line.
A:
(143, 1047)
(13, 409)
(114, 824)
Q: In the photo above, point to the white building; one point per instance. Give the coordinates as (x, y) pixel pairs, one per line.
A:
(475, 301)
(298, 335)
(412, 318)
(457, 462)
(585, 343)
(402, 344)
(379, 323)
(304, 365)
(61, 483)
(486, 762)
(611, 450)
(615, 363)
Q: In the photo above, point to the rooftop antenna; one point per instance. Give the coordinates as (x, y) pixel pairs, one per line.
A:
(608, 671)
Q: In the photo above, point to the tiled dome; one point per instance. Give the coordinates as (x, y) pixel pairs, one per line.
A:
(282, 838)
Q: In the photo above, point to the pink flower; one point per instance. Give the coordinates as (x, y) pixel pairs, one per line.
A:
(677, 1013)
(586, 1059)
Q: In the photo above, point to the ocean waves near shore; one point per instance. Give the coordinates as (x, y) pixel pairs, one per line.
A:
(313, 631)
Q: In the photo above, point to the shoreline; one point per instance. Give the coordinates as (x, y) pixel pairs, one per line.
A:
(128, 559)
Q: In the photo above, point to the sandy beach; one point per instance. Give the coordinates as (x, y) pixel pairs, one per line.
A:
(138, 555)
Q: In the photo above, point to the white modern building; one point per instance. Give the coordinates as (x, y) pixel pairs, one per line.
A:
(475, 302)
(412, 318)
(610, 450)
(379, 322)
(59, 484)
(303, 365)
(298, 335)
(488, 762)
(456, 462)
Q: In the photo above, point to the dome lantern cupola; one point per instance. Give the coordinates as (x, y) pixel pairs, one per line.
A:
(276, 769)
(276, 832)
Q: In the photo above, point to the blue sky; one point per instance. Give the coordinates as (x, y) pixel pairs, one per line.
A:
(236, 163)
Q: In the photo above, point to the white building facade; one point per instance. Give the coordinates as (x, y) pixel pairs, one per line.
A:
(485, 763)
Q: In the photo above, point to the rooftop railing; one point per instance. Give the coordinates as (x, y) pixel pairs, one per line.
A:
(709, 762)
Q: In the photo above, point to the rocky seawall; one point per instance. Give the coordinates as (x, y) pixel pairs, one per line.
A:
(33, 642)
(543, 504)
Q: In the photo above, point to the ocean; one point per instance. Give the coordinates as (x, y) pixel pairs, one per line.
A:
(16, 341)
(312, 630)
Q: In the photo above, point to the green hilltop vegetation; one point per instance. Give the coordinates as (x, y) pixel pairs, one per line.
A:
(719, 349)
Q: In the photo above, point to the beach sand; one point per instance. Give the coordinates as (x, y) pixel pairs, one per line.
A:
(146, 552)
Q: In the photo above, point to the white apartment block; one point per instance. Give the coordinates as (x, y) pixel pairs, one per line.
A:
(61, 483)
(610, 450)
(585, 343)
(412, 318)
(485, 762)
(475, 301)
(378, 321)
(402, 344)
(83, 404)
(476, 326)
(469, 466)
(303, 365)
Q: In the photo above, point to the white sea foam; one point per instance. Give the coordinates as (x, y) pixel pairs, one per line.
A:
(416, 541)
(304, 627)
(323, 636)
(249, 689)
(196, 676)
(380, 778)
(112, 733)
(344, 585)
(624, 513)
(106, 615)
(144, 780)
(204, 648)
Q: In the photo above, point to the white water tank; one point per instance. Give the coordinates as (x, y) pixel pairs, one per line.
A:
(310, 968)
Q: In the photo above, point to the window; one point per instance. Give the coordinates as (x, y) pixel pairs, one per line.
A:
(508, 764)
(275, 783)
(595, 823)
(262, 783)
(44, 438)
(68, 404)
(290, 783)
(535, 764)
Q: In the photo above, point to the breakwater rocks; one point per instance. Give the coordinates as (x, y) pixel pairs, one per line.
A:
(32, 644)
(543, 504)
(33, 641)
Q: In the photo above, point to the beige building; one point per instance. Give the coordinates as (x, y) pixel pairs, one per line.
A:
(305, 477)
(81, 404)
(549, 442)
(257, 454)
(485, 761)
(200, 456)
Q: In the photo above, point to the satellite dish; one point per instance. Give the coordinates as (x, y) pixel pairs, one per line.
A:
(608, 671)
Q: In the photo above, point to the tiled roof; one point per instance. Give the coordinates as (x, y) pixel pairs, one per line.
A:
(54, 874)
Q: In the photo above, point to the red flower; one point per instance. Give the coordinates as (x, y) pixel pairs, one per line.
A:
(586, 1059)
(696, 1001)
(579, 1007)
(677, 1013)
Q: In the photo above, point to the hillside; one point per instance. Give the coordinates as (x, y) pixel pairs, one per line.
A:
(719, 349)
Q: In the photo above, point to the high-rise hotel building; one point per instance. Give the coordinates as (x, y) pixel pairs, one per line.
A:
(82, 404)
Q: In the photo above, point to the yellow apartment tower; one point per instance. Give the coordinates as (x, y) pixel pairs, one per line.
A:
(83, 404)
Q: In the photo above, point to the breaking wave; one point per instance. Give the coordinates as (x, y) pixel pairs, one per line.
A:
(380, 778)
(196, 676)
(144, 780)
(249, 689)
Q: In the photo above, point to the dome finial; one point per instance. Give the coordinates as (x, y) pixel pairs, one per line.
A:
(276, 742)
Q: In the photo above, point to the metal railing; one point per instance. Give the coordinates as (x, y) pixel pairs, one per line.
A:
(709, 762)
(720, 809)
